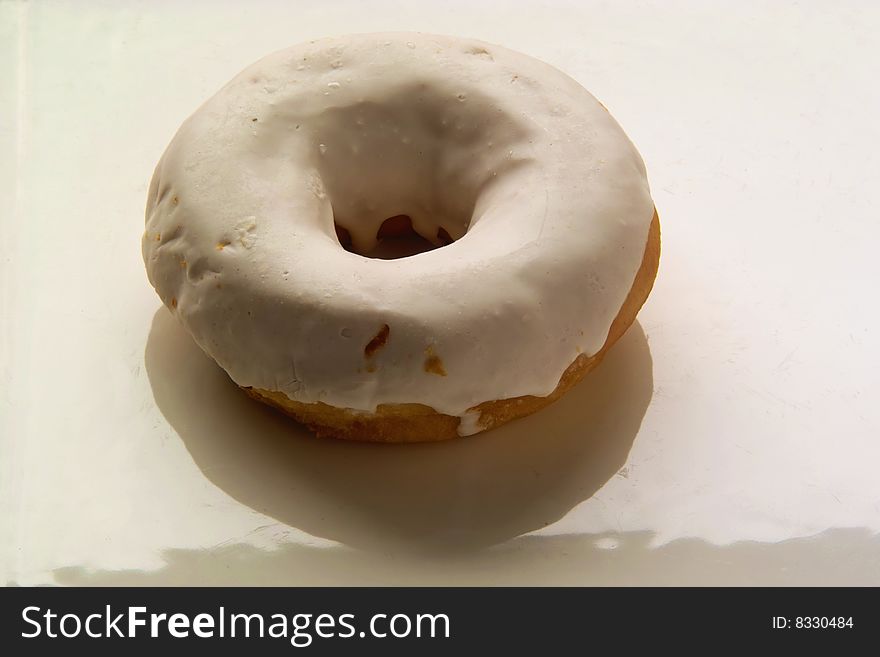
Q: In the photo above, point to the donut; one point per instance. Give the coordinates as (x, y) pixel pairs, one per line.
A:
(539, 238)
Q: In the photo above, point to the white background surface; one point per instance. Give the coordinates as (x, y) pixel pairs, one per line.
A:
(731, 437)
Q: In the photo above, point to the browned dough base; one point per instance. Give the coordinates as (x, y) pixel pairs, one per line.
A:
(409, 423)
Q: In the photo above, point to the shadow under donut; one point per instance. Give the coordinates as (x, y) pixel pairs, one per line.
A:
(435, 497)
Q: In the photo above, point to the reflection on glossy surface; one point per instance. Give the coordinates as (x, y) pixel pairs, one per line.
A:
(454, 495)
(840, 557)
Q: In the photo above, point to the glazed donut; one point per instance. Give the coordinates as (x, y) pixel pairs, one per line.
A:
(265, 207)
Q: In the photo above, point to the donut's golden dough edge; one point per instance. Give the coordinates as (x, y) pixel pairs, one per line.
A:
(410, 423)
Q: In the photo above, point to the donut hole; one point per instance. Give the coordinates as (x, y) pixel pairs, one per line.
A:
(404, 174)
(396, 238)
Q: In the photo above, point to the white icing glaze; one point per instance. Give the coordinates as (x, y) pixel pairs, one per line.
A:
(544, 193)
(469, 423)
